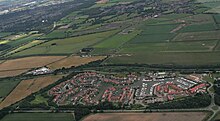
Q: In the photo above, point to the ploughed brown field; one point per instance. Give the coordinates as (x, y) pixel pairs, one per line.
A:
(12, 73)
(15, 67)
(28, 62)
(74, 61)
(169, 116)
(27, 87)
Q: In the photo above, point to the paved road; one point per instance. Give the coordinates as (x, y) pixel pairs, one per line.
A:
(212, 104)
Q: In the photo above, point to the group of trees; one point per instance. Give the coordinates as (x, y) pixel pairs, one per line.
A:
(197, 101)
(217, 92)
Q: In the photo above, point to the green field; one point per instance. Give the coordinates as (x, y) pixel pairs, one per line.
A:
(6, 86)
(168, 58)
(4, 34)
(158, 29)
(199, 27)
(22, 40)
(198, 46)
(67, 45)
(39, 117)
(180, 38)
(113, 42)
(213, 5)
(55, 34)
(195, 36)
(163, 41)
(39, 100)
(151, 38)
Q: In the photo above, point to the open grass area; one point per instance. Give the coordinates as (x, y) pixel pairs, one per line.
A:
(66, 46)
(39, 117)
(39, 100)
(209, 79)
(27, 87)
(177, 116)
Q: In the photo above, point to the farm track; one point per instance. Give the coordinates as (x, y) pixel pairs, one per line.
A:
(215, 47)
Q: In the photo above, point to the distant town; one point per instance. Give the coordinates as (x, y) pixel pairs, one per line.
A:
(91, 88)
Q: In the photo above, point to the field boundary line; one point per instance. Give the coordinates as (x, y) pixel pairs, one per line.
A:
(216, 45)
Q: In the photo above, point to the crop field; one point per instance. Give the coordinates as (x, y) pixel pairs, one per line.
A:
(182, 116)
(74, 61)
(198, 19)
(55, 34)
(22, 40)
(4, 41)
(12, 73)
(213, 5)
(167, 58)
(6, 86)
(39, 117)
(196, 46)
(117, 40)
(28, 62)
(4, 34)
(173, 39)
(109, 45)
(195, 36)
(26, 46)
(66, 46)
(158, 29)
(15, 36)
(27, 87)
(152, 38)
(199, 27)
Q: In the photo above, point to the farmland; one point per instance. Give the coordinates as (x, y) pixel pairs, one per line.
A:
(182, 116)
(28, 62)
(66, 46)
(185, 43)
(39, 117)
(10, 73)
(194, 36)
(109, 55)
(27, 87)
(170, 47)
(113, 43)
(6, 86)
(73, 61)
(169, 58)
(181, 37)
